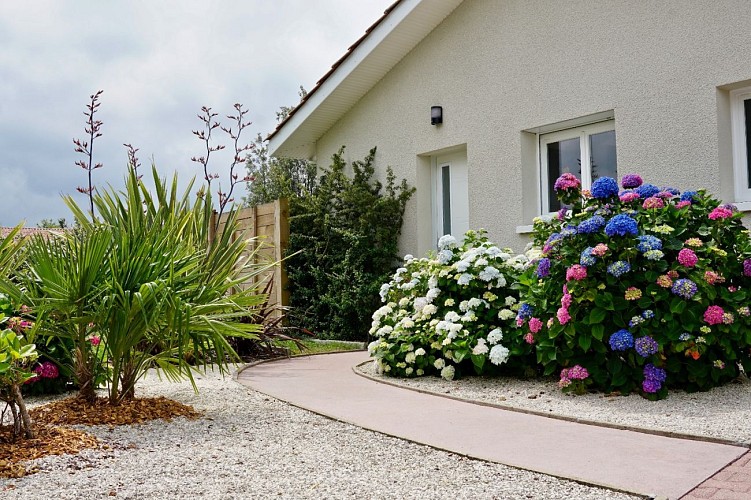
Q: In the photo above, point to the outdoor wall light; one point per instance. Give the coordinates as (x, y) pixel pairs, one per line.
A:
(436, 115)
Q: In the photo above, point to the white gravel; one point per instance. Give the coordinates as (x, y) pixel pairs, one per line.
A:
(723, 413)
(251, 446)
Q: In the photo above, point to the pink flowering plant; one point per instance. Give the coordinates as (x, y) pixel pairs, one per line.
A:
(643, 288)
(452, 312)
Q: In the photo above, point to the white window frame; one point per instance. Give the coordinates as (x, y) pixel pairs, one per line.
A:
(583, 132)
(740, 154)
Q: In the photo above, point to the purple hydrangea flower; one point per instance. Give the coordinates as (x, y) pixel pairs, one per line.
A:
(543, 267)
(621, 225)
(604, 187)
(630, 181)
(684, 288)
(651, 372)
(646, 346)
(747, 267)
(621, 340)
(651, 386)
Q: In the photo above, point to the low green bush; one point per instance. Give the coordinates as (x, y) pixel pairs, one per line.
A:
(343, 245)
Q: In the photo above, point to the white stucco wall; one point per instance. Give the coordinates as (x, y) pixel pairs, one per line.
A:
(499, 67)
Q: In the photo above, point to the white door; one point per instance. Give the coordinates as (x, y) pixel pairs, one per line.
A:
(451, 196)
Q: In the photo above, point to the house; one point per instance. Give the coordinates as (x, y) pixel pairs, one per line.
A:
(26, 232)
(528, 88)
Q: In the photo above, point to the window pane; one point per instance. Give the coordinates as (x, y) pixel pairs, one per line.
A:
(563, 157)
(602, 147)
(446, 195)
(747, 121)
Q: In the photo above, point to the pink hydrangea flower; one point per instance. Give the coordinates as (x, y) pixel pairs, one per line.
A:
(684, 203)
(567, 181)
(664, 281)
(712, 277)
(600, 249)
(564, 317)
(653, 202)
(720, 213)
(687, 257)
(630, 196)
(673, 274)
(566, 300)
(714, 315)
(529, 338)
(535, 325)
(576, 272)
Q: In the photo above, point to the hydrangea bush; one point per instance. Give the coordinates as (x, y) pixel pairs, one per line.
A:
(641, 287)
(451, 312)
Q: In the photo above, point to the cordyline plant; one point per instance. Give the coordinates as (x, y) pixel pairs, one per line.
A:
(154, 288)
(208, 118)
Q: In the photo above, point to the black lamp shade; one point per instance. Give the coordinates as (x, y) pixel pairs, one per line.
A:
(436, 115)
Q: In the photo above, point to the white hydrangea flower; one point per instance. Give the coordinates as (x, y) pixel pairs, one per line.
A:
(408, 257)
(386, 368)
(489, 274)
(471, 254)
(433, 281)
(452, 316)
(462, 265)
(510, 301)
(443, 273)
(481, 262)
(407, 323)
(464, 305)
(429, 310)
(420, 372)
(481, 347)
(420, 303)
(401, 364)
(474, 303)
(448, 372)
(446, 241)
(455, 328)
(372, 346)
(408, 286)
(403, 302)
(445, 256)
(433, 322)
(498, 354)
(433, 293)
(384, 330)
(493, 251)
(469, 317)
(439, 363)
(464, 279)
(410, 357)
(506, 314)
(449, 302)
(384, 291)
(409, 370)
(495, 336)
(500, 281)
(420, 352)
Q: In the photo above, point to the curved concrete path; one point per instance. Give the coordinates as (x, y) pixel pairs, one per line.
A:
(625, 460)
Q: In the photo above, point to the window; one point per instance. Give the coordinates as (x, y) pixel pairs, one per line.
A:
(562, 151)
(740, 115)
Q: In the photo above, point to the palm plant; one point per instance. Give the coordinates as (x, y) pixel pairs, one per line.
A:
(166, 288)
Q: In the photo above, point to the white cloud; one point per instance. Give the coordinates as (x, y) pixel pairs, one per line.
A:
(158, 63)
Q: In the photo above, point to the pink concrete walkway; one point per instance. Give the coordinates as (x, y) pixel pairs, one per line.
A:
(625, 460)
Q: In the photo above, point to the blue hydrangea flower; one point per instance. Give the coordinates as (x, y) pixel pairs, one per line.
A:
(587, 259)
(648, 314)
(635, 321)
(569, 230)
(619, 268)
(647, 190)
(648, 242)
(604, 187)
(671, 190)
(684, 288)
(621, 225)
(651, 372)
(688, 196)
(621, 340)
(543, 267)
(646, 346)
(685, 336)
(525, 311)
(591, 225)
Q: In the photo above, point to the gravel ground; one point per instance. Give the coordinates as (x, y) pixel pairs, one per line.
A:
(722, 413)
(251, 446)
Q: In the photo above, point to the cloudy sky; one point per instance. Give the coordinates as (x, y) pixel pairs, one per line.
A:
(158, 62)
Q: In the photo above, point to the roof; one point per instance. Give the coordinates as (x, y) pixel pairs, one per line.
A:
(30, 231)
(403, 25)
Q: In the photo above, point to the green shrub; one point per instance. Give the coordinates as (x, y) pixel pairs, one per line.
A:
(452, 312)
(644, 288)
(346, 232)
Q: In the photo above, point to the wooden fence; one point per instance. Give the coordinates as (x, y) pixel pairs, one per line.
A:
(270, 224)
